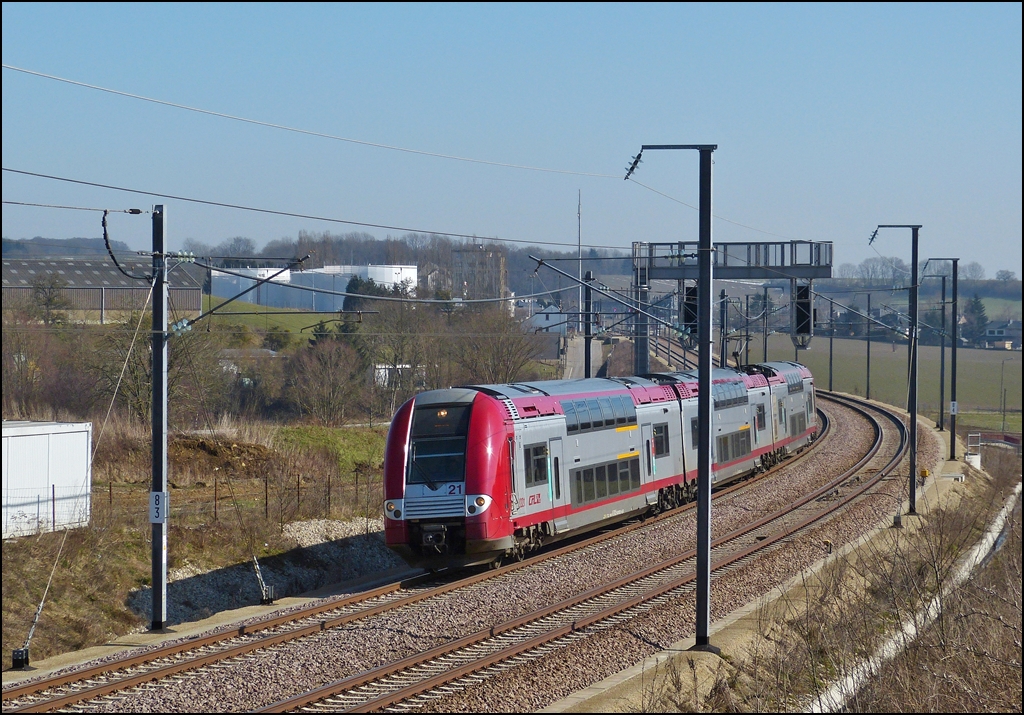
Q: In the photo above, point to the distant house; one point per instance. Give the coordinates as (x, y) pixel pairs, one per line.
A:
(1005, 335)
(549, 320)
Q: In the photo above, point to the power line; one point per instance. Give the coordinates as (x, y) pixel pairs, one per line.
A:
(304, 131)
(720, 218)
(291, 214)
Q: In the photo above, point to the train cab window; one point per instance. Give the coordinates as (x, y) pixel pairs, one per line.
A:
(536, 464)
(572, 422)
(438, 444)
(661, 445)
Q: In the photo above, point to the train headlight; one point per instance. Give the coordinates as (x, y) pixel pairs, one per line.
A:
(393, 508)
(476, 504)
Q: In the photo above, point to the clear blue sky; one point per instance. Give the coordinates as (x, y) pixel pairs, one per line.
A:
(830, 119)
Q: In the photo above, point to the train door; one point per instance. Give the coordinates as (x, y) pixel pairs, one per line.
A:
(559, 484)
(647, 466)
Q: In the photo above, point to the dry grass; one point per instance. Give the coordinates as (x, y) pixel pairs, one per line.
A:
(259, 486)
(968, 659)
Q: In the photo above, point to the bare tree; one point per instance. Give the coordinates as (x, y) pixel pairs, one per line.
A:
(49, 303)
(494, 348)
(973, 271)
(326, 380)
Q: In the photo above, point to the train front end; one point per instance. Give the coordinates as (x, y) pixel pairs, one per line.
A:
(447, 480)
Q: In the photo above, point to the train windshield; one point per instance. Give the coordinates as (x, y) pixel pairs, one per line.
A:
(438, 444)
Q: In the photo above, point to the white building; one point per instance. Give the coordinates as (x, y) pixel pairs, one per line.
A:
(47, 476)
(315, 289)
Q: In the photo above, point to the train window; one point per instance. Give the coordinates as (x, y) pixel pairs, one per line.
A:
(435, 461)
(588, 485)
(600, 481)
(572, 422)
(577, 487)
(624, 476)
(759, 417)
(606, 411)
(558, 481)
(596, 418)
(694, 432)
(627, 402)
(619, 409)
(613, 480)
(583, 414)
(723, 449)
(661, 445)
(536, 464)
(634, 472)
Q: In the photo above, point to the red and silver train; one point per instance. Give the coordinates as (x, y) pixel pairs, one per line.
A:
(481, 473)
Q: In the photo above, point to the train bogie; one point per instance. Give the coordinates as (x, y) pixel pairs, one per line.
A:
(479, 473)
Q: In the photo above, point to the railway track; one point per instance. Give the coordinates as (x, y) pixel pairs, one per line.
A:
(459, 664)
(522, 633)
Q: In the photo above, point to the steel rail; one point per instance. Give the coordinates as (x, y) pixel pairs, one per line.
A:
(113, 684)
(363, 681)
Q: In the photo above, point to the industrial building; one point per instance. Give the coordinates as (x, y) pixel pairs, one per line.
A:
(315, 289)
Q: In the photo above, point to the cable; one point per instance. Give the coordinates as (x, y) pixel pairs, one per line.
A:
(110, 251)
(720, 218)
(117, 386)
(305, 131)
(249, 535)
(291, 214)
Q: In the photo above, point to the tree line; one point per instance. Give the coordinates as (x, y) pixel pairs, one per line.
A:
(344, 370)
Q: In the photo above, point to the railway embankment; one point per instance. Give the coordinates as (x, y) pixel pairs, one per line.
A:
(786, 650)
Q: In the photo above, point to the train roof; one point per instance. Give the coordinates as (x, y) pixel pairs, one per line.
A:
(559, 388)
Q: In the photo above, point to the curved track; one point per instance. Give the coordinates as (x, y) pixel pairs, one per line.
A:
(449, 662)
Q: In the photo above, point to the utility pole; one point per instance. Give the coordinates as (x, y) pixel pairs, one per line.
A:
(831, 338)
(942, 362)
(764, 304)
(588, 322)
(723, 318)
(912, 387)
(746, 323)
(867, 389)
(705, 350)
(158, 494)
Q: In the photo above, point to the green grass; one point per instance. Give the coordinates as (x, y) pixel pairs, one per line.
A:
(998, 308)
(258, 319)
(979, 372)
(351, 445)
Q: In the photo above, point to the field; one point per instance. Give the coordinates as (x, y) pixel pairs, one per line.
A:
(979, 374)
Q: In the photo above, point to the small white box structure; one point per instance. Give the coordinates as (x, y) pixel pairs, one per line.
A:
(47, 476)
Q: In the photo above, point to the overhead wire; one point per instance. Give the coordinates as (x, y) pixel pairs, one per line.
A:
(292, 214)
(308, 132)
